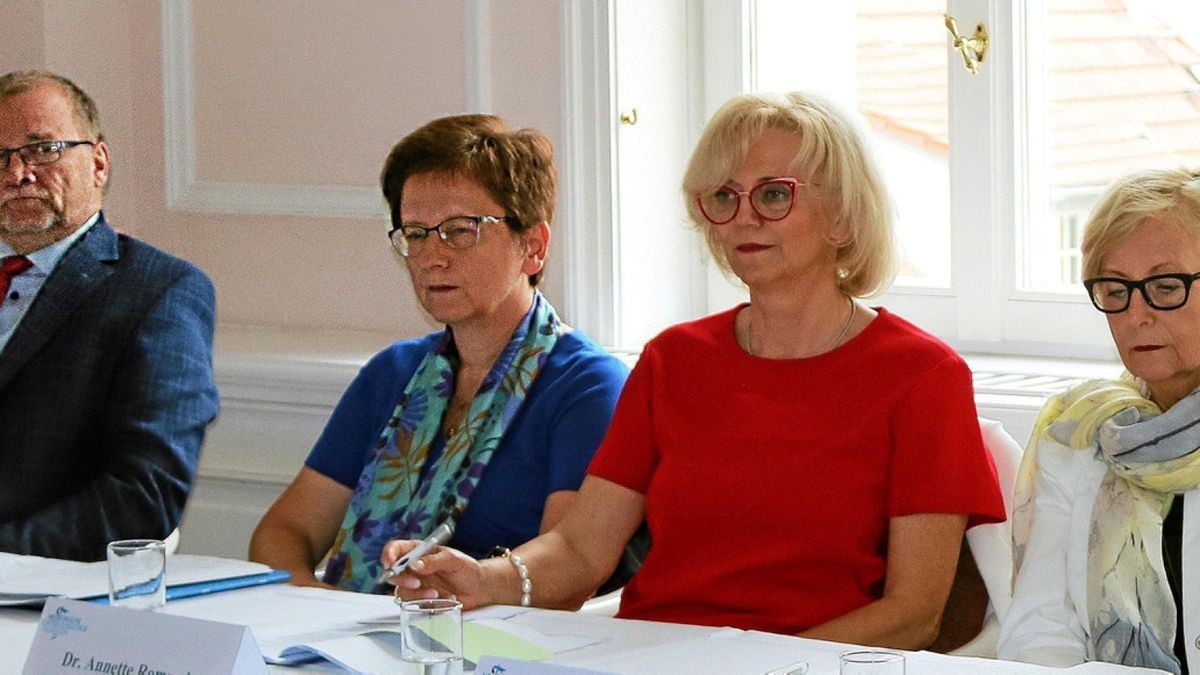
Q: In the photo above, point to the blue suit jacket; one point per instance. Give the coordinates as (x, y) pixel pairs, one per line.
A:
(106, 389)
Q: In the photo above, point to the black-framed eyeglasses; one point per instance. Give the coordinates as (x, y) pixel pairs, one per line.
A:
(770, 199)
(458, 232)
(1163, 292)
(41, 152)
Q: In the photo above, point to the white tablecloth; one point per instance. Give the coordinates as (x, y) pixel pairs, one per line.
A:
(282, 614)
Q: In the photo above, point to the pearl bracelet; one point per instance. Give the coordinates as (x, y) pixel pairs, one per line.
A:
(523, 572)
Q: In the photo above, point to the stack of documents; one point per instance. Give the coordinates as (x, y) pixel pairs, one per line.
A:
(29, 580)
(375, 645)
(359, 631)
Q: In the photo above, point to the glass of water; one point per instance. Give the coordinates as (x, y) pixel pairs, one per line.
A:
(872, 662)
(431, 636)
(137, 573)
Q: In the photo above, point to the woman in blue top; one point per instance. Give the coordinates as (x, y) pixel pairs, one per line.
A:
(491, 422)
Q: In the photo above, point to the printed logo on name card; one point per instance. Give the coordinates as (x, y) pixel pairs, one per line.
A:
(62, 622)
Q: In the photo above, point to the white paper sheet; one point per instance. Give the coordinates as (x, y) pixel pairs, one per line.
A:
(283, 615)
(735, 651)
(26, 579)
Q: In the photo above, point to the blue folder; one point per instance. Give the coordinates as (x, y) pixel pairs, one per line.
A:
(179, 591)
(233, 583)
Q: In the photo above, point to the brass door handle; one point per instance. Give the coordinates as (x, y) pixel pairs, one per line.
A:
(973, 48)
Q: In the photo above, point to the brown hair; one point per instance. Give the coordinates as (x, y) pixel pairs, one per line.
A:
(515, 168)
(86, 115)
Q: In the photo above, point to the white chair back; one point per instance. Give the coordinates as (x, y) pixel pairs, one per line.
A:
(172, 541)
(991, 545)
(603, 605)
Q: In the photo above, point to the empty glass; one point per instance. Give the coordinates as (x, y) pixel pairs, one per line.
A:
(431, 636)
(137, 573)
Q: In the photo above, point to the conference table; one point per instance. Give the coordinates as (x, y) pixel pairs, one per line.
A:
(350, 626)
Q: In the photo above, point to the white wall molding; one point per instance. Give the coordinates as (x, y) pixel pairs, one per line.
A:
(278, 388)
(179, 144)
(222, 513)
(478, 49)
(588, 183)
(186, 192)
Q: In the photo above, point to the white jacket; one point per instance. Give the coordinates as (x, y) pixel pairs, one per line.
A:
(1047, 622)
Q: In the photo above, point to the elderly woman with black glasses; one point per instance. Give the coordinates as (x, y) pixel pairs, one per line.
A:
(487, 425)
(806, 464)
(1106, 522)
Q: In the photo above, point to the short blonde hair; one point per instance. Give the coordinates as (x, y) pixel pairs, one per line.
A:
(833, 160)
(1172, 195)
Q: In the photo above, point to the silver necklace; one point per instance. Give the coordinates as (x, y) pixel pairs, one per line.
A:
(837, 342)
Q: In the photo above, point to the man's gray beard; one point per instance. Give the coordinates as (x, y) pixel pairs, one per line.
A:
(53, 220)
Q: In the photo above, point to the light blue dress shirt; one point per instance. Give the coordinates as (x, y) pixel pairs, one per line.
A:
(25, 286)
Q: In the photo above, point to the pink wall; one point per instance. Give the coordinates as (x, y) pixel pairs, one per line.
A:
(327, 95)
(22, 38)
(288, 93)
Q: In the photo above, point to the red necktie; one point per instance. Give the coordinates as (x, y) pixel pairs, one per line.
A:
(9, 268)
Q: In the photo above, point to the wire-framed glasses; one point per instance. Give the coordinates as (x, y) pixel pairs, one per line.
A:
(1164, 292)
(770, 199)
(41, 152)
(458, 232)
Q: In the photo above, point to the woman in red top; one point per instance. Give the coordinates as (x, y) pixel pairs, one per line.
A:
(806, 464)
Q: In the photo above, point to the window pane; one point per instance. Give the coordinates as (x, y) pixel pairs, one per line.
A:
(887, 60)
(1117, 89)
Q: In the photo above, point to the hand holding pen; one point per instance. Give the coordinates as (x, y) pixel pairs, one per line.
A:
(442, 573)
(438, 537)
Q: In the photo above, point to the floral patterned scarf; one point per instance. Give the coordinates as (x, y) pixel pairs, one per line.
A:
(396, 496)
(1151, 456)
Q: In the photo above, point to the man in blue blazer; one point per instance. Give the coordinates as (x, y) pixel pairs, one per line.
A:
(106, 383)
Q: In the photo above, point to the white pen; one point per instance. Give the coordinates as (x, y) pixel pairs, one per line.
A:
(438, 537)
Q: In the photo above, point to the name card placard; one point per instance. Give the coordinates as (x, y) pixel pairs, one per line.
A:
(81, 637)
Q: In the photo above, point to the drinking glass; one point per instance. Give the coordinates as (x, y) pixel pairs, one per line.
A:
(137, 573)
(872, 662)
(431, 636)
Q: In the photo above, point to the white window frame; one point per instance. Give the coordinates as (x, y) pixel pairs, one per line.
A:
(588, 161)
(983, 311)
(987, 311)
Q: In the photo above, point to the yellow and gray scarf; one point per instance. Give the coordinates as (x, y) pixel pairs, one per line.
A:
(1151, 456)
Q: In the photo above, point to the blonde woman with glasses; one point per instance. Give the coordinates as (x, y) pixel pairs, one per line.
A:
(806, 464)
(1106, 511)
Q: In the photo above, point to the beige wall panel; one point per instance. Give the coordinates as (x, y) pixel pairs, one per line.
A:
(22, 40)
(526, 67)
(91, 43)
(271, 109)
(314, 93)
